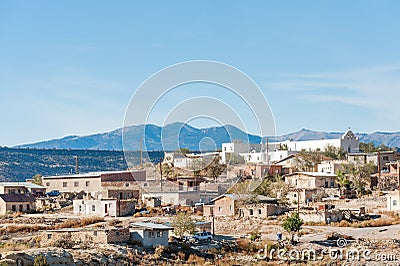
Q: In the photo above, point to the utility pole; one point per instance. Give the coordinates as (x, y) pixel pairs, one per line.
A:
(161, 175)
(267, 141)
(76, 165)
(141, 154)
(379, 164)
(298, 201)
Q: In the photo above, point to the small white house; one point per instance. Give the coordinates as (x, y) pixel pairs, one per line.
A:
(393, 201)
(150, 234)
(104, 207)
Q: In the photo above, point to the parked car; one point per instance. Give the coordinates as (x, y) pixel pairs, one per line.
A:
(204, 236)
(53, 193)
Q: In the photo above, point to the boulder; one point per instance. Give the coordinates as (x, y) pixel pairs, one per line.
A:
(54, 256)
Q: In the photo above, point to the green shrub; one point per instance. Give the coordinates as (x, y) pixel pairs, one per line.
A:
(40, 260)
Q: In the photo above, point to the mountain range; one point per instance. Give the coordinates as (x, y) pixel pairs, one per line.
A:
(170, 137)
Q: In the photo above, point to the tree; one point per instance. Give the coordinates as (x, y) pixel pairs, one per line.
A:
(306, 161)
(182, 224)
(292, 225)
(215, 169)
(234, 158)
(369, 147)
(334, 152)
(37, 179)
(342, 181)
(360, 175)
(184, 151)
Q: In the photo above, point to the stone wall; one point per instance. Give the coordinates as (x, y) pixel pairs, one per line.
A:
(93, 236)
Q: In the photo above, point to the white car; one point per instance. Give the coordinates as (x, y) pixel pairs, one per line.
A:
(204, 236)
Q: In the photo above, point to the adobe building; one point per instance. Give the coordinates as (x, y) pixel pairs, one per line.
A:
(22, 188)
(113, 184)
(104, 207)
(17, 203)
(150, 234)
(85, 235)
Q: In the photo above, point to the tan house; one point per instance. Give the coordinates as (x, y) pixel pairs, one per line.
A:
(311, 180)
(17, 203)
(150, 234)
(243, 206)
(22, 188)
(104, 207)
(152, 202)
(115, 184)
(85, 235)
(261, 210)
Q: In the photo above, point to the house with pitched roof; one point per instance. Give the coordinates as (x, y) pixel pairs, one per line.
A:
(15, 202)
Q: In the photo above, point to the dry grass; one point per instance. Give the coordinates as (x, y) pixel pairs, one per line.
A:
(79, 223)
(31, 228)
(194, 259)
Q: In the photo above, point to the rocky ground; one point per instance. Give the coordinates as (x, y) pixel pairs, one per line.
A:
(376, 243)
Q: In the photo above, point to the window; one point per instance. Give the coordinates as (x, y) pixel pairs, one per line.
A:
(127, 184)
(13, 208)
(251, 212)
(87, 183)
(259, 211)
(94, 208)
(326, 184)
(230, 207)
(220, 209)
(394, 202)
(47, 184)
(294, 195)
(385, 158)
(76, 184)
(48, 236)
(64, 184)
(95, 233)
(28, 207)
(117, 233)
(332, 183)
(159, 234)
(309, 183)
(151, 234)
(80, 208)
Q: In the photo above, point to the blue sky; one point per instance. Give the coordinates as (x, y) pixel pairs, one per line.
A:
(71, 67)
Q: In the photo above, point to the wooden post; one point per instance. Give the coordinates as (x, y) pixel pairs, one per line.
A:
(161, 175)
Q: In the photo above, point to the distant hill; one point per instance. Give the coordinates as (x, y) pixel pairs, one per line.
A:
(20, 164)
(189, 137)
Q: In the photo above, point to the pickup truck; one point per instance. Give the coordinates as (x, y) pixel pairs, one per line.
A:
(204, 236)
(53, 193)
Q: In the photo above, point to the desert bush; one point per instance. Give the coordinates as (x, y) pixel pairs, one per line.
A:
(64, 243)
(40, 260)
(344, 223)
(182, 256)
(336, 236)
(114, 222)
(194, 259)
(255, 236)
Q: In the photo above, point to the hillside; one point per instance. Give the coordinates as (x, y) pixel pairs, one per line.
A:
(165, 138)
(19, 164)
